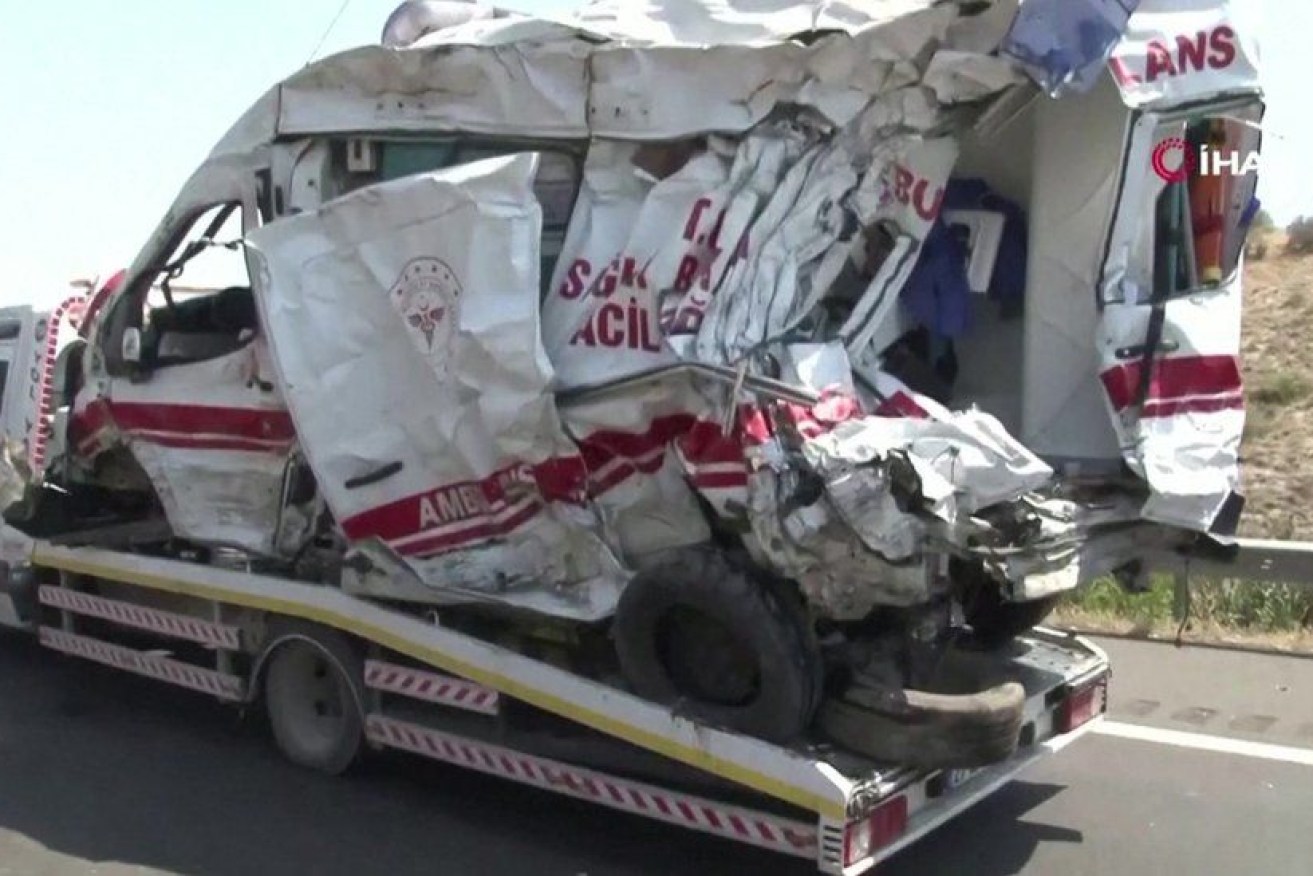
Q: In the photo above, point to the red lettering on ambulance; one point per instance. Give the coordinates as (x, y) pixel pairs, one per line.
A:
(695, 217)
(1222, 42)
(1183, 54)
(616, 326)
(576, 279)
(913, 191)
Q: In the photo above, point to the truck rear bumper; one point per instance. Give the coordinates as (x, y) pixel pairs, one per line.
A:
(968, 792)
(894, 808)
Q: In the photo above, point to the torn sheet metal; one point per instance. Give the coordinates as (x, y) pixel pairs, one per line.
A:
(964, 77)
(817, 545)
(848, 503)
(641, 486)
(631, 239)
(965, 463)
(795, 249)
(394, 311)
(736, 246)
(791, 254)
(908, 194)
(738, 85)
(1179, 51)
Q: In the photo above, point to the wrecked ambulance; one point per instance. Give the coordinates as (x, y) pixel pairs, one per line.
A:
(751, 348)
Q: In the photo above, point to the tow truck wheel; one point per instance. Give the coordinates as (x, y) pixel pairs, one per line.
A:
(699, 632)
(312, 695)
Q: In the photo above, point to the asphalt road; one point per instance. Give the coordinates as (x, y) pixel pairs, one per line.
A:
(101, 773)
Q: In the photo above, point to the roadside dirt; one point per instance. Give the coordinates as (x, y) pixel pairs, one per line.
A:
(1277, 359)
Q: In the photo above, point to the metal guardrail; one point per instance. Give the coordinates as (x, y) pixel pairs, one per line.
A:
(1258, 560)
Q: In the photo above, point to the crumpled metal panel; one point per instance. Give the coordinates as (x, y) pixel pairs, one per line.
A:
(404, 319)
(592, 75)
(641, 487)
(739, 85)
(850, 509)
(214, 444)
(964, 462)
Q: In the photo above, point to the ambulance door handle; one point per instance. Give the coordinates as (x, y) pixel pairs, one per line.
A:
(1138, 351)
(373, 477)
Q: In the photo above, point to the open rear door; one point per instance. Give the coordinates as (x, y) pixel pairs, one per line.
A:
(1169, 335)
(404, 323)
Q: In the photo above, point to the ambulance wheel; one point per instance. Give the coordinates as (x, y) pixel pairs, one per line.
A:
(702, 634)
(312, 695)
(994, 621)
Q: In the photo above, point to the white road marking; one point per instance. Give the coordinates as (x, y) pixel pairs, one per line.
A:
(1204, 742)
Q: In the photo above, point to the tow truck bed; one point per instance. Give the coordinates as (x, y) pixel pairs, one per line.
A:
(436, 692)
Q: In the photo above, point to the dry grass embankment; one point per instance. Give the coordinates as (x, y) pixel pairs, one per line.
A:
(1277, 459)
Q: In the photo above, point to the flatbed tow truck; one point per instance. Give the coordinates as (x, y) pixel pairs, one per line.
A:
(405, 681)
(444, 695)
(558, 422)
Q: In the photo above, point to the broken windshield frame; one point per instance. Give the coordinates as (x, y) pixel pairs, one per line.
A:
(129, 309)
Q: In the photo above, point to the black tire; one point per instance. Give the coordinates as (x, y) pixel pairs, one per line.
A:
(312, 694)
(928, 730)
(995, 621)
(727, 647)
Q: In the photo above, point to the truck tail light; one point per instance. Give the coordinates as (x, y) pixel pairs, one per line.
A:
(1083, 705)
(863, 838)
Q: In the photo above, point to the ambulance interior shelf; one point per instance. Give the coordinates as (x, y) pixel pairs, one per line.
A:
(977, 247)
(1201, 215)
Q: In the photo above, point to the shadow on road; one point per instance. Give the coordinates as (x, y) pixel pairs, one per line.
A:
(990, 839)
(101, 768)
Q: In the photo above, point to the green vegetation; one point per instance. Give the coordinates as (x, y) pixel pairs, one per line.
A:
(1280, 390)
(1268, 394)
(1241, 606)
